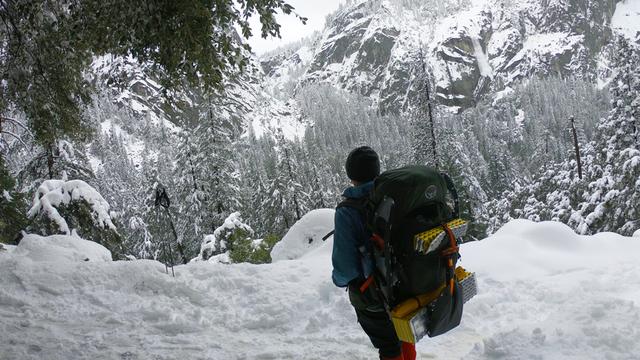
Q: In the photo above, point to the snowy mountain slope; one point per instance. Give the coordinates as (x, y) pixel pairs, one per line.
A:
(545, 293)
(471, 48)
(140, 102)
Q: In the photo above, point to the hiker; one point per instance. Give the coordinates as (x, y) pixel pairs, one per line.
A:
(352, 264)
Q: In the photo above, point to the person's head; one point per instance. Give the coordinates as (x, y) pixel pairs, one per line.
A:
(362, 165)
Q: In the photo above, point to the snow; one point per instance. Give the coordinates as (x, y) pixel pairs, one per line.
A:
(306, 54)
(538, 47)
(520, 118)
(95, 163)
(8, 248)
(636, 234)
(625, 18)
(135, 147)
(60, 248)
(505, 93)
(482, 58)
(53, 193)
(6, 195)
(274, 116)
(304, 236)
(544, 293)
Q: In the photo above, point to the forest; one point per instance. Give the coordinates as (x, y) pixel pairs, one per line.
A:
(190, 178)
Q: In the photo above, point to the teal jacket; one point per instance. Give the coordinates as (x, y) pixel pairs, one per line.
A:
(351, 241)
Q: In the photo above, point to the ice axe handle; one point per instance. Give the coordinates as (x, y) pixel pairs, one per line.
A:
(328, 235)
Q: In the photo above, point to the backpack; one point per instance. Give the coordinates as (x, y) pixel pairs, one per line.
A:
(412, 213)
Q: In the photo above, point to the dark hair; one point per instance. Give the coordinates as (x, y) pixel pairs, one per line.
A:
(362, 164)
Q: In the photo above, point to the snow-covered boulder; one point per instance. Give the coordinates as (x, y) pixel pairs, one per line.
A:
(61, 248)
(305, 235)
(636, 234)
(60, 206)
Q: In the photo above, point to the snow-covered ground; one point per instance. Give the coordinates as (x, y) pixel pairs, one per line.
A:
(625, 19)
(545, 293)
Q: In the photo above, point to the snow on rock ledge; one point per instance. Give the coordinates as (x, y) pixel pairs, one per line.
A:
(53, 193)
(305, 235)
(61, 248)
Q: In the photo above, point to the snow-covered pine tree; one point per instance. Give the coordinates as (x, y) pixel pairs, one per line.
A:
(287, 197)
(192, 218)
(205, 171)
(460, 158)
(12, 208)
(614, 200)
(122, 183)
(423, 137)
(317, 180)
(606, 199)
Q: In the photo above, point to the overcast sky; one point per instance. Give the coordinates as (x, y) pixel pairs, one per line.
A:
(291, 28)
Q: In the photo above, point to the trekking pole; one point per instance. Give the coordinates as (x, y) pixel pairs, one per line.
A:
(164, 245)
(170, 258)
(162, 200)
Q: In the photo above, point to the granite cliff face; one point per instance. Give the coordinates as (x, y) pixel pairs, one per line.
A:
(471, 49)
(374, 48)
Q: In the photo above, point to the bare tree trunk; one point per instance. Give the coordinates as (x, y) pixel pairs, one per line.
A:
(576, 146)
(50, 160)
(291, 177)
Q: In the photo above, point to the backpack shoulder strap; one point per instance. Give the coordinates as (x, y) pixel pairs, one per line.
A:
(358, 204)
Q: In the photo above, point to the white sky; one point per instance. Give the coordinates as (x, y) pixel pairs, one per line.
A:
(291, 27)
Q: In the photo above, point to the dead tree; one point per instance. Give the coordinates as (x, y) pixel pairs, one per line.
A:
(576, 146)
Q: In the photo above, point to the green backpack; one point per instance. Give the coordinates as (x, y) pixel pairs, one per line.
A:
(405, 206)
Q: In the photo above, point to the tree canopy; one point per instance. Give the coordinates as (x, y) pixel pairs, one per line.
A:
(47, 46)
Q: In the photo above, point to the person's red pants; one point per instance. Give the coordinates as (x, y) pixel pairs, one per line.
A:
(408, 352)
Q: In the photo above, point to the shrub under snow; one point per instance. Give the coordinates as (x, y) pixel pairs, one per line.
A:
(215, 247)
(60, 207)
(54, 193)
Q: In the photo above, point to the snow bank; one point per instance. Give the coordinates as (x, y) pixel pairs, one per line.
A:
(7, 248)
(548, 293)
(60, 248)
(546, 248)
(305, 235)
(53, 193)
(625, 18)
(544, 293)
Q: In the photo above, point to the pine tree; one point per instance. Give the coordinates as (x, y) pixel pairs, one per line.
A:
(422, 121)
(12, 208)
(613, 203)
(606, 199)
